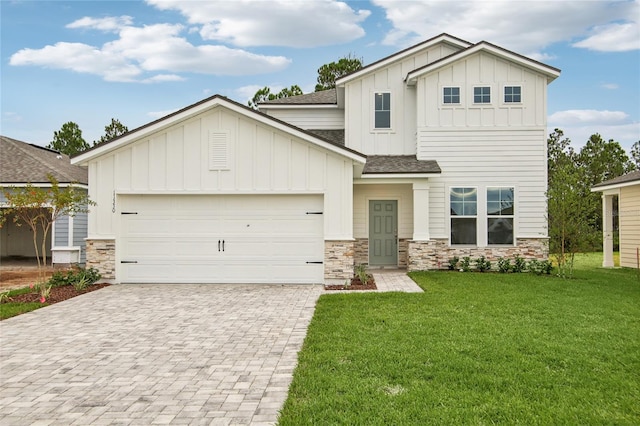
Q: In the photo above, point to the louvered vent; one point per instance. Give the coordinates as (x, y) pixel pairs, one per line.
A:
(218, 147)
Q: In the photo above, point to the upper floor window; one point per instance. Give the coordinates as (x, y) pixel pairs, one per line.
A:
(512, 94)
(500, 208)
(464, 211)
(482, 95)
(382, 110)
(451, 95)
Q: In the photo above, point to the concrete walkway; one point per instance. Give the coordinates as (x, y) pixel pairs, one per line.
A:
(155, 354)
(394, 280)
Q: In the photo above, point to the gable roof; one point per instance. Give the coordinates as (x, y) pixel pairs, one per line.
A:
(204, 105)
(22, 162)
(629, 179)
(551, 72)
(442, 38)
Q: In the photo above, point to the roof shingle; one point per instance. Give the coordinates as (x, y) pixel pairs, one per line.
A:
(21, 162)
(629, 177)
(399, 164)
(325, 97)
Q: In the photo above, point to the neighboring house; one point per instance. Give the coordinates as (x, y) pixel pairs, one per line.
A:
(627, 189)
(434, 152)
(22, 163)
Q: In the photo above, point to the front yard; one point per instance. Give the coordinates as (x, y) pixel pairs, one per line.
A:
(476, 349)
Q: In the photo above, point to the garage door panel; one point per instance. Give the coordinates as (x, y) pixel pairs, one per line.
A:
(267, 238)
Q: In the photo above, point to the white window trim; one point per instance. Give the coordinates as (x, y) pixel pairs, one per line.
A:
(504, 86)
(372, 103)
(477, 216)
(513, 216)
(481, 104)
(441, 95)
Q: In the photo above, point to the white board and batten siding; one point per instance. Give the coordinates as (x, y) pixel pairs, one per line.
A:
(359, 106)
(260, 160)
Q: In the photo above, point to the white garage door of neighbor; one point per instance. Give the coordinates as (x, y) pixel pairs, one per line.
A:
(221, 239)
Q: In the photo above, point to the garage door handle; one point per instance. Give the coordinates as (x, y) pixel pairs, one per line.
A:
(218, 245)
(222, 245)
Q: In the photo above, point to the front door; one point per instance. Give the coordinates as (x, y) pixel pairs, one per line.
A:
(383, 233)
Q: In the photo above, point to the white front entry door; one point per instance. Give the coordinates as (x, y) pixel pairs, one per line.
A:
(220, 239)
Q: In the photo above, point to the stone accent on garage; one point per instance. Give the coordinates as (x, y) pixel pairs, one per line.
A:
(435, 254)
(101, 255)
(338, 260)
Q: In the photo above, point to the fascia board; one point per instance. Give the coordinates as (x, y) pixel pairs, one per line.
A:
(550, 72)
(605, 188)
(443, 38)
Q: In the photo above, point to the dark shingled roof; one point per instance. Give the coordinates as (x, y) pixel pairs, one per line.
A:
(629, 177)
(335, 136)
(399, 164)
(325, 97)
(21, 162)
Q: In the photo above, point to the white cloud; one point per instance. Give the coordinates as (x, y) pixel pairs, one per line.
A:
(529, 26)
(245, 93)
(110, 23)
(613, 38)
(610, 86)
(159, 114)
(579, 125)
(588, 116)
(289, 23)
(142, 50)
(12, 117)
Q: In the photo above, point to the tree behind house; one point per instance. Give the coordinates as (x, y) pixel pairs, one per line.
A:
(112, 131)
(68, 140)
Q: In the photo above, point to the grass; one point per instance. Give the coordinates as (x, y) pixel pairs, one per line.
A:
(11, 309)
(476, 349)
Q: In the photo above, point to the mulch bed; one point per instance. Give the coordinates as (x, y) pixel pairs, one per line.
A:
(58, 294)
(356, 284)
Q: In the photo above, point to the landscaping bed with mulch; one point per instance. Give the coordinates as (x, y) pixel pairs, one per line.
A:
(355, 284)
(58, 294)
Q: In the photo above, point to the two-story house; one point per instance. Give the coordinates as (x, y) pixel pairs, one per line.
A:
(436, 151)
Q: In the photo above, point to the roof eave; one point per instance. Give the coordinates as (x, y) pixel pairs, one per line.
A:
(603, 188)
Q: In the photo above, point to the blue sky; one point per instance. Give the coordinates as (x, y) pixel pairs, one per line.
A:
(90, 61)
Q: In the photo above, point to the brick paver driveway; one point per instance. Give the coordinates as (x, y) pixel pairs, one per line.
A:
(155, 354)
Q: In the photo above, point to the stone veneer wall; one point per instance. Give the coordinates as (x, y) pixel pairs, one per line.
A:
(338, 260)
(361, 251)
(101, 255)
(435, 254)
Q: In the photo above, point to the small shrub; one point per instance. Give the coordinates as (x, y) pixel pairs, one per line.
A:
(453, 263)
(79, 278)
(361, 272)
(4, 296)
(465, 264)
(504, 265)
(482, 264)
(519, 264)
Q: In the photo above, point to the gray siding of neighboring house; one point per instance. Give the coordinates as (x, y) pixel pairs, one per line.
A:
(79, 234)
(61, 237)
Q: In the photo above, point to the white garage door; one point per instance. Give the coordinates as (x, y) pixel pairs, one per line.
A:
(221, 239)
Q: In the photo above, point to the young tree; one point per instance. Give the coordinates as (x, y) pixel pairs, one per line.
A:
(68, 140)
(111, 131)
(265, 94)
(39, 207)
(329, 73)
(567, 204)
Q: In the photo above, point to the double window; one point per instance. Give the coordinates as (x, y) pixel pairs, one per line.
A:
(464, 214)
(382, 107)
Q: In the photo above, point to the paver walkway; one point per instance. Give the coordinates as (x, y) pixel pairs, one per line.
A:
(155, 354)
(394, 280)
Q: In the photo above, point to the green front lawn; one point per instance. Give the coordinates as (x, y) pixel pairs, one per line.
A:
(476, 349)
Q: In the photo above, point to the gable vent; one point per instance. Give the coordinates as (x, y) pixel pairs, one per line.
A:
(218, 150)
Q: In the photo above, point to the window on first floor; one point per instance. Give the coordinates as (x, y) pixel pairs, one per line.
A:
(382, 110)
(512, 94)
(464, 215)
(500, 208)
(468, 221)
(482, 95)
